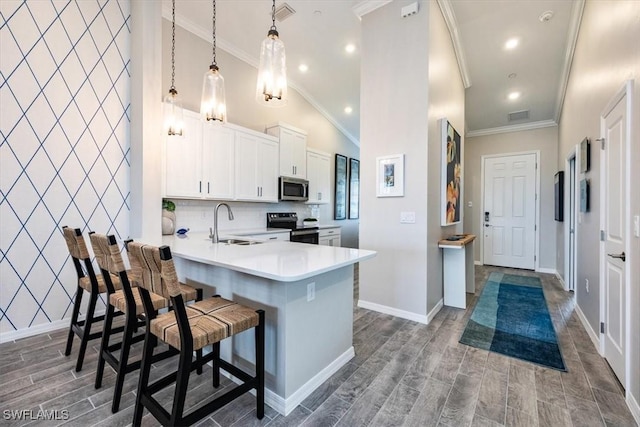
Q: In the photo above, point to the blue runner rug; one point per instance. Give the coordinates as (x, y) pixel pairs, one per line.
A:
(511, 318)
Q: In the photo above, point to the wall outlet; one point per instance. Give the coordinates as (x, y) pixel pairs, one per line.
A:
(586, 284)
(407, 217)
(311, 291)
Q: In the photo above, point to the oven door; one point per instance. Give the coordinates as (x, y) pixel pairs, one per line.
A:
(305, 236)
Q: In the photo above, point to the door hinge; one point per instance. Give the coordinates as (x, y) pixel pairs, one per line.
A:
(602, 236)
(601, 142)
(602, 327)
(535, 257)
(535, 228)
(536, 196)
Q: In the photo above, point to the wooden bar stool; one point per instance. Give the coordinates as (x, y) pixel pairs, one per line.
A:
(128, 301)
(187, 328)
(89, 282)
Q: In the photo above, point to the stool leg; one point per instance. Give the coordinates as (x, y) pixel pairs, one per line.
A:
(199, 359)
(150, 342)
(129, 326)
(182, 382)
(216, 366)
(74, 320)
(104, 344)
(87, 330)
(260, 364)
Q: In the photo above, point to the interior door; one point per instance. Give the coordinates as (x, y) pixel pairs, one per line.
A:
(572, 224)
(614, 210)
(509, 211)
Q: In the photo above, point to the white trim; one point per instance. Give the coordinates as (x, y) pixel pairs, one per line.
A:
(512, 128)
(568, 211)
(536, 249)
(478, 262)
(40, 329)
(595, 339)
(561, 280)
(625, 90)
(435, 310)
(394, 311)
(254, 62)
(633, 407)
(547, 271)
(367, 6)
(450, 19)
(572, 38)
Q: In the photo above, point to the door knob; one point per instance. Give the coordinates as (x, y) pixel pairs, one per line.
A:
(621, 256)
(487, 225)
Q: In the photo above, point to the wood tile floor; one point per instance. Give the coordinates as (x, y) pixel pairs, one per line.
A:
(404, 374)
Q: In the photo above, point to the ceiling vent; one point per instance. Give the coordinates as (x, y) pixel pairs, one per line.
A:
(518, 115)
(283, 12)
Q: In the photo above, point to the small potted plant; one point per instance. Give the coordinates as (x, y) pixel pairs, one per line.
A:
(168, 217)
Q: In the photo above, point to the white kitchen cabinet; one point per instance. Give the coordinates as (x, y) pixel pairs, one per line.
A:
(293, 149)
(183, 160)
(319, 176)
(329, 237)
(256, 167)
(284, 236)
(200, 164)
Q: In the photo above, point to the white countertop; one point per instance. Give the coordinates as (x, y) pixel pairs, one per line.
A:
(276, 260)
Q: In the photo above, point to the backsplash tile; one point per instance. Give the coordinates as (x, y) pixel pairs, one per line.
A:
(64, 156)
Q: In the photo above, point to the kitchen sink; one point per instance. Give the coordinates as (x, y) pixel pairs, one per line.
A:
(238, 242)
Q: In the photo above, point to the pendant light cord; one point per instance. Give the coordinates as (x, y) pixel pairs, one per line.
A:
(173, 47)
(213, 63)
(273, 15)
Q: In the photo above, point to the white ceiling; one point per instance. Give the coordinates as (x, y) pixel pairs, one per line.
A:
(319, 30)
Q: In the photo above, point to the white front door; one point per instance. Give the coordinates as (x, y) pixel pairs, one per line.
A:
(613, 202)
(509, 216)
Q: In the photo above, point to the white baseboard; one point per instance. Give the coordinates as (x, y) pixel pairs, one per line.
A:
(546, 270)
(477, 263)
(633, 407)
(595, 338)
(561, 280)
(435, 310)
(285, 406)
(394, 311)
(39, 329)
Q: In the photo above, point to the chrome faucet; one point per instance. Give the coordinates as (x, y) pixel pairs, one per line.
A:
(213, 235)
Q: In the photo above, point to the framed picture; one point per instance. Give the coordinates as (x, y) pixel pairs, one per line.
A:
(390, 176)
(584, 195)
(340, 207)
(451, 174)
(585, 156)
(354, 189)
(558, 187)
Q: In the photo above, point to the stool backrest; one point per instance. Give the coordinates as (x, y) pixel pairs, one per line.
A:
(107, 253)
(79, 253)
(153, 268)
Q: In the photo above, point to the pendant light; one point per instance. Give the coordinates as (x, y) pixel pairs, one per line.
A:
(271, 89)
(173, 113)
(213, 108)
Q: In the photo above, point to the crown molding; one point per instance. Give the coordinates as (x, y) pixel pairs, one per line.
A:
(452, 25)
(572, 39)
(512, 128)
(367, 6)
(255, 63)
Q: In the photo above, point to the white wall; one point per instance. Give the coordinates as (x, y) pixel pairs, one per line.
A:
(409, 80)
(193, 57)
(607, 54)
(65, 109)
(545, 141)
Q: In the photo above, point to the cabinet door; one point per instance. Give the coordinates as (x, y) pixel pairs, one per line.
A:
(293, 157)
(319, 175)
(246, 168)
(267, 152)
(324, 241)
(183, 160)
(218, 162)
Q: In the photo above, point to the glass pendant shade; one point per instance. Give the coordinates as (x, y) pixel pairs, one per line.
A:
(271, 89)
(213, 108)
(173, 114)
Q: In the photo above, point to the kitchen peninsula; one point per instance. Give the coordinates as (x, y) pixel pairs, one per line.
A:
(307, 294)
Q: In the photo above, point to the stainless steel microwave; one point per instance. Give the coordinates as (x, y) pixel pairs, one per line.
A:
(293, 189)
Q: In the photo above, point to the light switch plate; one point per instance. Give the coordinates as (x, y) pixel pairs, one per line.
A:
(407, 217)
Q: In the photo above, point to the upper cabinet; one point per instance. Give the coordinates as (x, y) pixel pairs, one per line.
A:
(256, 171)
(217, 162)
(183, 160)
(319, 176)
(293, 149)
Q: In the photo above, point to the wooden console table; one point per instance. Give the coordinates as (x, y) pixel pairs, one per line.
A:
(458, 274)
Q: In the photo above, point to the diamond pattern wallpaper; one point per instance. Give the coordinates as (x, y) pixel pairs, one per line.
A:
(64, 156)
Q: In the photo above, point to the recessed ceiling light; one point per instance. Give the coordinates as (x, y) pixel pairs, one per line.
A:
(546, 16)
(350, 48)
(514, 95)
(303, 68)
(512, 75)
(348, 110)
(511, 43)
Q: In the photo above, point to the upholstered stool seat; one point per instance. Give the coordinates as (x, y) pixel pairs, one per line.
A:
(188, 329)
(85, 283)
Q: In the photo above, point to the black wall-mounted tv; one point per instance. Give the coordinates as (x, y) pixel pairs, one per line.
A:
(559, 196)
